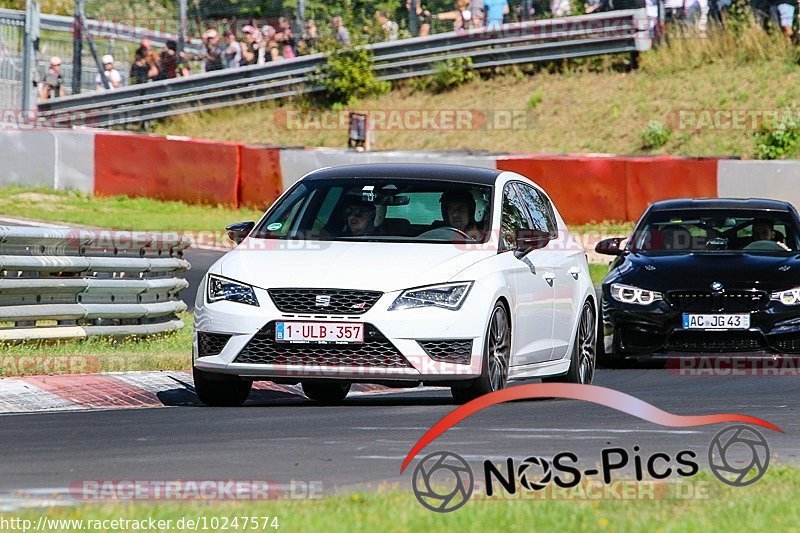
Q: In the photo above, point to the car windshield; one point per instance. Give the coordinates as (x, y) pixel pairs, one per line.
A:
(380, 209)
(750, 231)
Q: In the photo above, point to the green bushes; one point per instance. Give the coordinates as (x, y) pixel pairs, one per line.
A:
(347, 76)
(779, 138)
(655, 135)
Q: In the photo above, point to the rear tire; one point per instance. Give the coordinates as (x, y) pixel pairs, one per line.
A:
(220, 390)
(496, 356)
(583, 359)
(326, 392)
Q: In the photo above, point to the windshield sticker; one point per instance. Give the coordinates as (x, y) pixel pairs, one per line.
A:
(275, 226)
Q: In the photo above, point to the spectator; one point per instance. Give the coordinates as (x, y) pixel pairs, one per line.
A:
(271, 45)
(286, 39)
(146, 47)
(782, 13)
(311, 34)
(477, 8)
(213, 54)
(342, 33)
(497, 9)
(461, 16)
(168, 62)
(112, 75)
(232, 56)
(389, 27)
(251, 45)
(423, 18)
(141, 70)
(53, 85)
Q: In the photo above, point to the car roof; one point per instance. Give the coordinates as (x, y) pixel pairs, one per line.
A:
(722, 203)
(455, 173)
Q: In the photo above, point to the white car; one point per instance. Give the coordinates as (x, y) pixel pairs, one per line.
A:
(397, 274)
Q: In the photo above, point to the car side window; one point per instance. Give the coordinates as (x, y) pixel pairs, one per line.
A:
(513, 218)
(541, 212)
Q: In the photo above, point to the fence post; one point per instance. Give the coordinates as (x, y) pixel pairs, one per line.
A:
(77, 48)
(29, 57)
(182, 30)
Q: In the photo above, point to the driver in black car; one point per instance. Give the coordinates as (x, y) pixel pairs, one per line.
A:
(764, 234)
(458, 211)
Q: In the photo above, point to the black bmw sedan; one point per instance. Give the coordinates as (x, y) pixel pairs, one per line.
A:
(708, 275)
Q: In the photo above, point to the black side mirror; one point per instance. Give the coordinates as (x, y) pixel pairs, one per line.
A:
(610, 246)
(529, 240)
(239, 231)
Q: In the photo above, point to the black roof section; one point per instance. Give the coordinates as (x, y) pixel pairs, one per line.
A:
(455, 173)
(722, 203)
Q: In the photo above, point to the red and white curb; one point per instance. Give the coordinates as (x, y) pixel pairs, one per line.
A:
(124, 390)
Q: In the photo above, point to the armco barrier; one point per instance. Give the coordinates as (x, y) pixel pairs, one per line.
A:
(260, 179)
(70, 283)
(168, 169)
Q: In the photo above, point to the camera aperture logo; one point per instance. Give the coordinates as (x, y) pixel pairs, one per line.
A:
(443, 482)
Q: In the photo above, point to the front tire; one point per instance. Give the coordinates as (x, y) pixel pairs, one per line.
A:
(326, 392)
(583, 359)
(496, 356)
(220, 390)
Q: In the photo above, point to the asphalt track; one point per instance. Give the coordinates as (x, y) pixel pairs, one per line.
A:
(363, 442)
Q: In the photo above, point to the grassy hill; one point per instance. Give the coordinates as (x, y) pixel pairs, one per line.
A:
(591, 106)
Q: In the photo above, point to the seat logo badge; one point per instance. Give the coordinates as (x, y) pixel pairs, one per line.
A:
(322, 300)
(362, 305)
(717, 286)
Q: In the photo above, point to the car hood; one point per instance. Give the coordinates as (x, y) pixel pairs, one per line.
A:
(347, 265)
(698, 271)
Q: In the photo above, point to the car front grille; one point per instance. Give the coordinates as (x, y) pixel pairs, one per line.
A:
(327, 301)
(712, 302)
(787, 343)
(375, 352)
(449, 351)
(716, 341)
(211, 343)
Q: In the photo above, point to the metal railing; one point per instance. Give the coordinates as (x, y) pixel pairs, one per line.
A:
(72, 283)
(518, 43)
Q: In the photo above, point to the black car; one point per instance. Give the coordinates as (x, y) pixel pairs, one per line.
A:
(707, 275)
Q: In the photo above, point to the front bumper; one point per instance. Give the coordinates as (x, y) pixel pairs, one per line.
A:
(395, 348)
(657, 328)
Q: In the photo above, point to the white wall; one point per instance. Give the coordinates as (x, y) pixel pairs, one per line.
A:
(777, 180)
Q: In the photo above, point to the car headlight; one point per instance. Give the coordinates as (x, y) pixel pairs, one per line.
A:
(226, 289)
(447, 295)
(790, 297)
(633, 295)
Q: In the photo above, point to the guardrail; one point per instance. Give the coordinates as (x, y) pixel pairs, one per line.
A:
(518, 43)
(109, 29)
(72, 283)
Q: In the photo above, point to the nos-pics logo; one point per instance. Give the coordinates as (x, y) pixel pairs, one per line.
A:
(443, 481)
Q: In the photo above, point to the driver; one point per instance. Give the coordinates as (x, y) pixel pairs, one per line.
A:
(359, 217)
(763, 231)
(458, 211)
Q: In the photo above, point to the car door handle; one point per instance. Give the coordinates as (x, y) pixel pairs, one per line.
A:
(549, 277)
(574, 272)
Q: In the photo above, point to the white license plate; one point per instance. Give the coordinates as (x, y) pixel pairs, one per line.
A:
(319, 332)
(691, 321)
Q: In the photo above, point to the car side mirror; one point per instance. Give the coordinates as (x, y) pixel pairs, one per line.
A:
(610, 246)
(529, 240)
(239, 231)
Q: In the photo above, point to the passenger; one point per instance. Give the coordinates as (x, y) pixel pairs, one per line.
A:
(675, 237)
(359, 217)
(764, 234)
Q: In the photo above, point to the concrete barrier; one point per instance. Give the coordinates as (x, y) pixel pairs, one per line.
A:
(28, 158)
(778, 180)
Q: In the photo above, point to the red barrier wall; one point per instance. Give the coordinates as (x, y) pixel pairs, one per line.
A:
(261, 181)
(588, 189)
(652, 179)
(187, 170)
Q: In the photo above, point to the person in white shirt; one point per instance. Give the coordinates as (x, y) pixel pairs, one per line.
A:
(112, 75)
